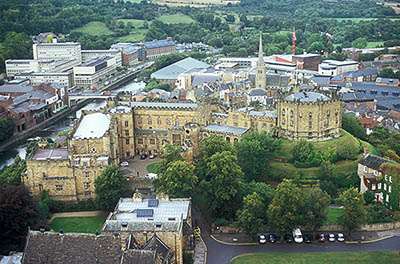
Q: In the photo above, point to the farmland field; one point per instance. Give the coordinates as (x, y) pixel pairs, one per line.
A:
(94, 28)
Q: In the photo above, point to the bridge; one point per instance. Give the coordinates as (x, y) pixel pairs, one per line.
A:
(81, 96)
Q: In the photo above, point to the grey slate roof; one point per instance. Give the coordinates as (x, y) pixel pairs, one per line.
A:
(373, 161)
(138, 256)
(15, 88)
(160, 247)
(52, 154)
(258, 92)
(262, 114)
(306, 97)
(225, 129)
(321, 80)
(163, 105)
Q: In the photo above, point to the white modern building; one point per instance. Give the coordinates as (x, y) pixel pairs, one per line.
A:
(333, 67)
(14, 67)
(89, 74)
(88, 55)
(57, 51)
(35, 78)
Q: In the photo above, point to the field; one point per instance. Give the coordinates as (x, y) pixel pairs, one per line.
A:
(333, 215)
(374, 44)
(94, 28)
(327, 258)
(175, 19)
(89, 224)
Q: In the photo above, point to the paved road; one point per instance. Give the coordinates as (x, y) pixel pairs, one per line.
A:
(218, 253)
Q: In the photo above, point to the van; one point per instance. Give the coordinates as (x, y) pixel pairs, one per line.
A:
(297, 235)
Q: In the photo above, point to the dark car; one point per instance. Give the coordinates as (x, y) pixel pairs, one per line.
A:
(272, 238)
(288, 238)
(308, 238)
(321, 237)
(143, 156)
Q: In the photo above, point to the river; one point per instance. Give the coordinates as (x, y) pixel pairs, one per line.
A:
(7, 157)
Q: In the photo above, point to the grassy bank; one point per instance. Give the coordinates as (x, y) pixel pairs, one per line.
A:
(89, 224)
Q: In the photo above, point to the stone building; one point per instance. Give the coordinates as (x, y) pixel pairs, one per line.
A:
(170, 220)
(261, 77)
(309, 115)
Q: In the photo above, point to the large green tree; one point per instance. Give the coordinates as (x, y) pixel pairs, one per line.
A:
(302, 149)
(11, 175)
(110, 186)
(285, 211)
(15, 46)
(178, 180)
(7, 128)
(265, 191)
(250, 217)
(225, 184)
(353, 125)
(169, 154)
(354, 211)
(315, 203)
(254, 153)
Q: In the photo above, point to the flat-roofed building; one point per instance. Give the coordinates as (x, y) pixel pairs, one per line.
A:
(14, 67)
(88, 55)
(333, 67)
(57, 51)
(89, 74)
(36, 78)
(168, 219)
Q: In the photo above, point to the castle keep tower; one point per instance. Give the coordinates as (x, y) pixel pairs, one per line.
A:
(261, 77)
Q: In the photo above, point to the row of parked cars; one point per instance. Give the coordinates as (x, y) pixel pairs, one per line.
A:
(298, 237)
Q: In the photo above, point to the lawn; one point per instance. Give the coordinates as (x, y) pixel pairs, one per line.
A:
(94, 28)
(326, 258)
(89, 224)
(333, 215)
(374, 44)
(136, 35)
(176, 19)
(152, 168)
(135, 22)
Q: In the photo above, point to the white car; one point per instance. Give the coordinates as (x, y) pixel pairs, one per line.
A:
(340, 237)
(124, 164)
(331, 238)
(262, 239)
(297, 235)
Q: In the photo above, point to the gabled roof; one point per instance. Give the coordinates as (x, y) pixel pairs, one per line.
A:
(225, 129)
(374, 162)
(160, 247)
(258, 92)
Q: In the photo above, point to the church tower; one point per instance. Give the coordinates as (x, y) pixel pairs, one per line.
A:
(261, 77)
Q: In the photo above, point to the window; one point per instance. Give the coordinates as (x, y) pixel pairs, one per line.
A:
(283, 112)
(376, 173)
(76, 162)
(373, 187)
(127, 133)
(127, 141)
(328, 113)
(283, 121)
(87, 193)
(291, 123)
(139, 120)
(310, 114)
(390, 188)
(149, 121)
(235, 117)
(365, 169)
(384, 186)
(264, 125)
(177, 122)
(86, 174)
(126, 124)
(235, 124)
(245, 124)
(140, 141)
(300, 114)
(59, 187)
(387, 198)
(85, 164)
(152, 141)
(379, 186)
(385, 176)
(390, 179)
(310, 124)
(291, 113)
(159, 120)
(86, 185)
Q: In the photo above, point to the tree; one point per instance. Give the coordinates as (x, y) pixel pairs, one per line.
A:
(265, 191)
(360, 43)
(224, 185)
(326, 169)
(254, 153)
(285, 209)
(353, 125)
(11, 175)
(316, 201)
(18, 211)
(354, 214)
(178, 180)
(302, 150)
(230, 18)
(109, 187)
(369, 197)
(208, 147)
(169, 154)
(251, 216)
(7, 128)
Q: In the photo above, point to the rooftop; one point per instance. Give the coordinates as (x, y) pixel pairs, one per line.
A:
(163, 105)
(225, 129)
(307, 97)
(373, 161)
(50, 154)
(15, 88)
(95, 61)
(172, 71)
(92, 126)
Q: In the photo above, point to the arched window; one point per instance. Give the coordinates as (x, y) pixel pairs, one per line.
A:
(149, 121)
(291, 113)
(159, 120)
(139, 120)
(228, 139)
(177, 122)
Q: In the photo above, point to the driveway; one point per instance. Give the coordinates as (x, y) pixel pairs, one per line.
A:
(139, 166)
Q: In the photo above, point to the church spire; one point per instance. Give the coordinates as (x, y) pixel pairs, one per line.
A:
(260, 61)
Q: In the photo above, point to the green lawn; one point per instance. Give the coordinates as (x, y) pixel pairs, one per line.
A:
(89, 224)
(326, 258)
(94, 28)
(175, 19)
(333, 215)
(374, 44)
(152, 168)
(135, 36)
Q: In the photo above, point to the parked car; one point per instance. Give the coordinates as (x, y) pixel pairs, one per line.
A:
(288, 238)
(152, 156)
(262, 239)
(272, 238)
(332, 237)
(143, 156)
(340, 237)
(298, 236)
(124, 164)
(308, 238)
(321, 237)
